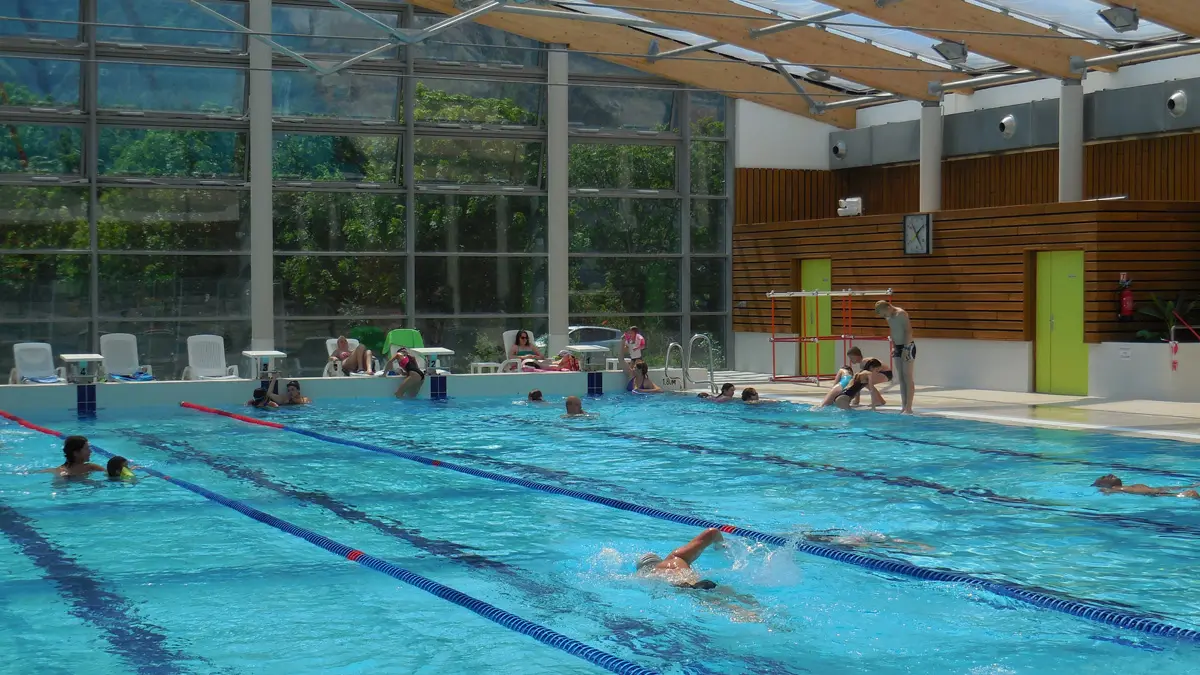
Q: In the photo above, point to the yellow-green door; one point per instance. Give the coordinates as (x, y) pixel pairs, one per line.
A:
(1061, 358)
(816, 275)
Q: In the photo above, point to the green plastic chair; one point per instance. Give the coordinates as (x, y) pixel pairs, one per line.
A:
(401, 337)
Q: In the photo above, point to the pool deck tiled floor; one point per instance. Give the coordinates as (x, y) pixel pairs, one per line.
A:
(1158, 419)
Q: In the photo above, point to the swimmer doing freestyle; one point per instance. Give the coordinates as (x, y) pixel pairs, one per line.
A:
(676, 569)
(1111, 484)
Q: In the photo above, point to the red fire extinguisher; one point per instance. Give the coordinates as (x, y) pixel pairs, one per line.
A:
(1125, 300)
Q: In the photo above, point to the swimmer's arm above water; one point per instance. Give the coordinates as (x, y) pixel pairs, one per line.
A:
(692, 550)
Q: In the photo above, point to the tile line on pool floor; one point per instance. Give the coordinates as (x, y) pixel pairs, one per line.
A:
(697, 643)
(487, 611)
(142, 645)
(970, 494)
(1087, 609)
(1003, 452)
(1013, 420)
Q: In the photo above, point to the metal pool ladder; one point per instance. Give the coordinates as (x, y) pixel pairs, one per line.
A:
(687, 362)
(667, 379)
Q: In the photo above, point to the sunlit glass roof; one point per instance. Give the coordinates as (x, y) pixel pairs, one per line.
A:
(1080, 15)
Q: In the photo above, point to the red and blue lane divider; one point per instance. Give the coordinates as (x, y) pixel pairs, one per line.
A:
(1090, 610)
(490, 612)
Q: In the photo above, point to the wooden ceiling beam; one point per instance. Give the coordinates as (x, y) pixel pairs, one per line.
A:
(863, 63)
(1180, 15)
(1049, 53)
(710, 71)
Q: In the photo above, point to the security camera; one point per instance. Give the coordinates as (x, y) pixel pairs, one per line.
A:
(839, 150)
(1008, 126)
(850, 207)
(1177, 104)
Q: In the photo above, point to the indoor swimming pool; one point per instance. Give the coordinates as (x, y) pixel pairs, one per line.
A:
(544, 518)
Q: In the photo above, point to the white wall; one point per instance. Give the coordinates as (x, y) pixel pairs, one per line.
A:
(32, 399)
(1135, 370)
(752, 353)
(766, 138)
(1179, 68)
(952, 364)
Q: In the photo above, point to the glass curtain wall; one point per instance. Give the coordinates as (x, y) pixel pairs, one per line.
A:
(409, 190)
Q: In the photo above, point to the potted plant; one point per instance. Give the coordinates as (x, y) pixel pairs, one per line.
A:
(1168, 312)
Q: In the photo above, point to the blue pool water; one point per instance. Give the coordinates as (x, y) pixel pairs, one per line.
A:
(150, 578)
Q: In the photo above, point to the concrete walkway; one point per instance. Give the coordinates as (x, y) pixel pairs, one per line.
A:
(1156, 419)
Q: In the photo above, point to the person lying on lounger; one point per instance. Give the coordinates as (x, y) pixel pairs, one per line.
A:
(357, 360)
(1111, 484)
(525, 351)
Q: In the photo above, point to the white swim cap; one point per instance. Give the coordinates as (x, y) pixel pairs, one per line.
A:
(648, 560)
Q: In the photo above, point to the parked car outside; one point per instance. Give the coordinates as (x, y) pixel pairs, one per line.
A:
(602, 336)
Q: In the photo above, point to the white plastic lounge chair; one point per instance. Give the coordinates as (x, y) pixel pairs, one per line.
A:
(334, 368)
(120, 352)
(34, 363)
(206, 359)
(510, 365)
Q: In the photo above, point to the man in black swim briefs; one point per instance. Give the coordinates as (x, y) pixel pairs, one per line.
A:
(904, 351)
(676, 568)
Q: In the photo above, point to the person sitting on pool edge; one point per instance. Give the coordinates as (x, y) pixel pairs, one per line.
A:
(259, 399)
(406, 365)
(845, 390)
(119, 468)
(854, 358)
(639, 378)
(1111, 484)
(77, 452)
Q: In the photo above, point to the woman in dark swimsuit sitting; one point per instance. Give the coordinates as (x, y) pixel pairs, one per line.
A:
(843, 394)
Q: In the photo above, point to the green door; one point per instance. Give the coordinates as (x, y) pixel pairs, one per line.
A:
(816, 275)
(1061, 357)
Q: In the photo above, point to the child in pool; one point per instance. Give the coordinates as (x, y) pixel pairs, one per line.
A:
(119, 468)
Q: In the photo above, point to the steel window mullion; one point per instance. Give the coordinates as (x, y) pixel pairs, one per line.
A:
(408, 166)
(89, 81)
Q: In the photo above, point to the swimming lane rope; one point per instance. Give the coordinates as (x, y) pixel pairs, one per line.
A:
(490, 612)
(1089, 610)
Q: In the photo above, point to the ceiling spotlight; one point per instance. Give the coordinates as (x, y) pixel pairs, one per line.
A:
(1120, 19)
(818, 75)
(954, 52)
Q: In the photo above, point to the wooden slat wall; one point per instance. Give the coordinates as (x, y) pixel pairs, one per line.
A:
(1148, 169)
(774, 195)
(974, 285)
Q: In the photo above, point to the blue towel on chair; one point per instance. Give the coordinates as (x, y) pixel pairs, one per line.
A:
(49, 379)
(136, 377)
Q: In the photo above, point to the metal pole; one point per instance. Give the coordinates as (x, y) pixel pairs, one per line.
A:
(558, 236)
(683, 173)
(262, 244)
(931, 156)
(91, 71)
(1070, 142)
(408, 159)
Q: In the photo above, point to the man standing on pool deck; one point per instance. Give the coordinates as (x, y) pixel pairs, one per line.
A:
(904, 350)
